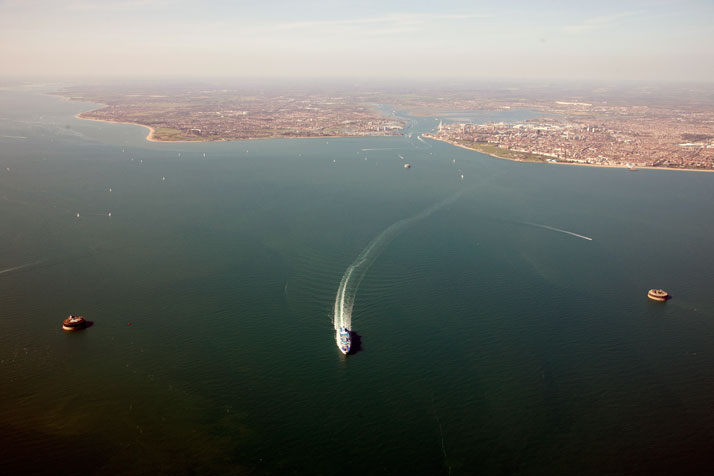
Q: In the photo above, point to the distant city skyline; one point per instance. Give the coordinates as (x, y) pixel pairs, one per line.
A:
(608, 40)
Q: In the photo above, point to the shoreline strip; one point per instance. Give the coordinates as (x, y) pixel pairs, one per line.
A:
(150, 135)
(643, 167)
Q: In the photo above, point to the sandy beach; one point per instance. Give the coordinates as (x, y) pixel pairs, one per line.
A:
(149, 136)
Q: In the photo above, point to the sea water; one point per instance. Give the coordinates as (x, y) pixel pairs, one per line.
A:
(483, 344)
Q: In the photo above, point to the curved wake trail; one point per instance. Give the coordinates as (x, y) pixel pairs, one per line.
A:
(558, 230)
(347, 291)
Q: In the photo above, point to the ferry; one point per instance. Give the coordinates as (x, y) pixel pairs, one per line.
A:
(344, 340)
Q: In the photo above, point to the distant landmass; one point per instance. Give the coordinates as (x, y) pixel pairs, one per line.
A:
(190, 114)
(617, 126)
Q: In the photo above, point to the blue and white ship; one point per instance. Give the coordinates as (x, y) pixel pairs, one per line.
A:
(344, 339)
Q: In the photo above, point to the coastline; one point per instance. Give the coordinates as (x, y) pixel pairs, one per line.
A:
(150, 135)
(569, 163)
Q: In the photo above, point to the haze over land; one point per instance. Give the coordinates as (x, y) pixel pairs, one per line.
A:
(415, 40)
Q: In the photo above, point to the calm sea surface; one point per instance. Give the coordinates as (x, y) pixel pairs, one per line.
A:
(487, 344)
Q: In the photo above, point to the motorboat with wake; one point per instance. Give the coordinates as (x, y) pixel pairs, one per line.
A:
(344, 339)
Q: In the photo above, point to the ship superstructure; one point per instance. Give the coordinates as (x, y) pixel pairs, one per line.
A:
(344, 339)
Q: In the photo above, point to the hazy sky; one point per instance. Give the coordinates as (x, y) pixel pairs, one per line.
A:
(597, 39)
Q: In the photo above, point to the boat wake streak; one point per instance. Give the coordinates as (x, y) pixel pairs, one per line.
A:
(9, 270)
(427, 146)
(557, 229)
(383, 148)
(347, 291)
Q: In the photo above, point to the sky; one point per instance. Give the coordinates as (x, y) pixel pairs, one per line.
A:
(394, 40)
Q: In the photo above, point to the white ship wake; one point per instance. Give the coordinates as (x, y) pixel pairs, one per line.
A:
(558, 230)
(347, 291)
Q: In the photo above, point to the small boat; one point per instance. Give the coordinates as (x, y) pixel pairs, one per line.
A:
(74, 323)
(407, 166)
(344, 340)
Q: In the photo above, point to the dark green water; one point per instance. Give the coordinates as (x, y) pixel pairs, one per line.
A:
(487, 346)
